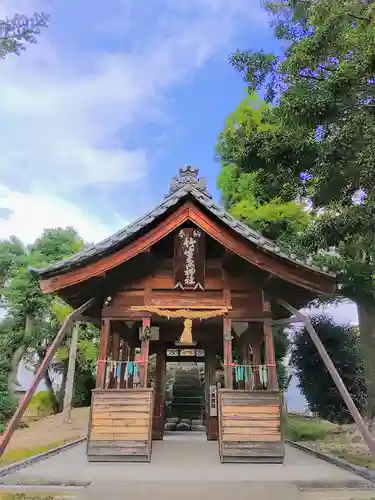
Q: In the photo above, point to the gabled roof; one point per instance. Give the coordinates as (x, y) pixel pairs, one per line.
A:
(187, 184)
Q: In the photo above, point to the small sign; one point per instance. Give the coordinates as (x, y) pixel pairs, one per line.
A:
(213, 401)
(200, 353)
(154, 333)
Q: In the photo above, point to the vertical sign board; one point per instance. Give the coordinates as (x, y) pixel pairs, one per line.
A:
(189, 259)
(213, 401)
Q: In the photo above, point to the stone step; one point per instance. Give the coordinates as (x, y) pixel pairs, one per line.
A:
(195, 399)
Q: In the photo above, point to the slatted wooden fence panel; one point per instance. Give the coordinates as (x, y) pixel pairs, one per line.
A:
(250, 426)
(120, 428)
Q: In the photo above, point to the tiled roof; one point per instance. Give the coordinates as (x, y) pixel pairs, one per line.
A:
(186, 184)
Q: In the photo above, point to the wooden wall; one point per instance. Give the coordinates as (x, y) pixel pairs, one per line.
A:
(250, 426)
(243, 284)
(120, 428)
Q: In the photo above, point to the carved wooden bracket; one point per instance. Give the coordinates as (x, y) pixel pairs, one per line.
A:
(146, 333)
(198, 286)
(228, 335)
(179, 285)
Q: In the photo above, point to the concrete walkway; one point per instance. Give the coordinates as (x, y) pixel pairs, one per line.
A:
(189, 467)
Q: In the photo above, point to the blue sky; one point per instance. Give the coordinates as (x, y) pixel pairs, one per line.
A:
(98, 117)
(117, 95)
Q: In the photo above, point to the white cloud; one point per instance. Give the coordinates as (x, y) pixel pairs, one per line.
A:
(65, 118)
(30, 214)
(69, 105)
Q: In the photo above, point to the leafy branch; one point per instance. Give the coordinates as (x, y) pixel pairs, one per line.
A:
(20, 30)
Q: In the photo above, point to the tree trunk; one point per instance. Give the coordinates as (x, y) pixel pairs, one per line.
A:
(366, 317)
(18, 355)
(49, 385)
(68, 397)
(16, 360)
(63, 384)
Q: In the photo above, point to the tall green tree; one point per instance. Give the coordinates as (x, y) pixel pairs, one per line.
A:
(275, 216)
(322, 145)
(33, 318)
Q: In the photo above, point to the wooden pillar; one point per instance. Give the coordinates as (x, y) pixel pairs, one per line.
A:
(269, 348)
(116, 341)
(246, 362)
(158, 422)
(103, 354)
(227, 339)
(130, 381)
(124, 359)
(145, 346)
(257, 359)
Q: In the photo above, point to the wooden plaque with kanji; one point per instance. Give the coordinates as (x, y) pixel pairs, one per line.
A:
(189, 259)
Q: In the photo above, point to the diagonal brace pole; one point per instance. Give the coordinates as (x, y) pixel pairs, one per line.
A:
(18, 414)
(353, 410)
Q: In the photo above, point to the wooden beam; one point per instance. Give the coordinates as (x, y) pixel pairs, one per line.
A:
(353, 410)
(283, 268)
(103, 354)
(116, 343)
(228, 356)
(285, 321)
(145, 347)
(269, 346)
(18, 414)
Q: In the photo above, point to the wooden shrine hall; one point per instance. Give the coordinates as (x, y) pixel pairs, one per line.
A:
(186, 275)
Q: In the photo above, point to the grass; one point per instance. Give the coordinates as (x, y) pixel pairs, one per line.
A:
(19, 454)
(354, 458)
(324, 436)
(303, 429)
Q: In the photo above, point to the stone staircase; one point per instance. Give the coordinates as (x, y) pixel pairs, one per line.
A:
(188, 401)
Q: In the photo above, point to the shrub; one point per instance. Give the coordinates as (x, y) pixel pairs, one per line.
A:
(303, 429)
(315, 382)
(42, 403)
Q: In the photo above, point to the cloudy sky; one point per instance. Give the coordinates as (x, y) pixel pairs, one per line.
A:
(97, 118)
(117, 95)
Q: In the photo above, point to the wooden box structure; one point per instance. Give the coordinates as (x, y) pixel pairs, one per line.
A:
(186, 276)
(120, 425)
(250, 426)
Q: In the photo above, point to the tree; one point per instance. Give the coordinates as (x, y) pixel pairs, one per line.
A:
(9, 251)
(20, 30)
(321, 146)
(33, 318)
(315, 382)
(240, 141)
(282, 348)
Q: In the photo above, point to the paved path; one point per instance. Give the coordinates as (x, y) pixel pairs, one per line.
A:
(190, 469)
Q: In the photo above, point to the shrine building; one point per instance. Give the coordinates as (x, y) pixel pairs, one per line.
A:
(186, 281)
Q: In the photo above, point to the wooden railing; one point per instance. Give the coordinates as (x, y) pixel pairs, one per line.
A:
(254, 377)
(122, 374)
